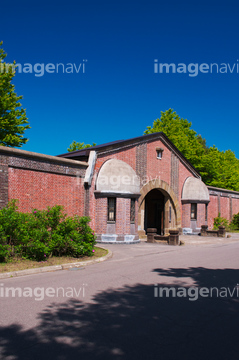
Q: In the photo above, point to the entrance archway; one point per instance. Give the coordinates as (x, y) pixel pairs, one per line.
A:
(154, 211)
(155, 195)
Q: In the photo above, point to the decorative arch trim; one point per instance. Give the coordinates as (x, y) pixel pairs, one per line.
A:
(161, 185)
(117, 176)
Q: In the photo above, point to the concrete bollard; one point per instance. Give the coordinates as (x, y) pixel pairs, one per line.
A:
(173, 237)
(204, 229)
(221, 231)
(151, 232)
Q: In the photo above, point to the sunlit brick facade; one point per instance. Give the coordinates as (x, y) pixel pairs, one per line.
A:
(125, 187)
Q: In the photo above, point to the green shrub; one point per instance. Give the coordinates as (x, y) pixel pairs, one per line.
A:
(73, 237)
(43, 233)
(235, 222)
(34, 250)
(59, 245)
(4, 253)
(9, 218)
(220, 221)
(50, 218)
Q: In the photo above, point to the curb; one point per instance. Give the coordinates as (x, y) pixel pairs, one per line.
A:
(44, 269)
(118, 242)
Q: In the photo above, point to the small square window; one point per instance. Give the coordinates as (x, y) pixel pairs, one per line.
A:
(159, 152)
(111, 209)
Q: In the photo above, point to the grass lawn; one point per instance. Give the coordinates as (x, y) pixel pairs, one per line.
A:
(20, 264)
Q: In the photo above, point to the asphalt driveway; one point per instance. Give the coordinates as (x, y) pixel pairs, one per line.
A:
(115, 310)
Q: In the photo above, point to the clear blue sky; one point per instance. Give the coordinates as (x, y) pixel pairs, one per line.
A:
(119, 94)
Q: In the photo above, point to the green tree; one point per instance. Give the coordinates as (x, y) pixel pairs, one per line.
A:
(217, 168)
(78, 146)
(13, 120)
(179, 131)
(220, 168)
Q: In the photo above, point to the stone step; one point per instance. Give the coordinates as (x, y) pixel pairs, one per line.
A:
(163, 242)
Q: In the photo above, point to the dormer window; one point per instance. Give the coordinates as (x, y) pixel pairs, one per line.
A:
(159, 152)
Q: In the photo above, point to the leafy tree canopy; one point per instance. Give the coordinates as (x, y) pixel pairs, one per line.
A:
(217, 168)
(179, 131)
(13, 120)
(78, 146)
(220, 169)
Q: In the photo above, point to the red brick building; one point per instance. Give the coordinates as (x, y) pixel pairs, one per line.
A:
(125, 187)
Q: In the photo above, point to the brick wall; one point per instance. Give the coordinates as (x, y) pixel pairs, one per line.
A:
(141, 162)
(142, 158)
(38, 190)
(101, 216)
(38, 181)
(3, 185)
(235, 206)
(174, 179)
(225, 207)
(186, 215)
(158, 168)
(122, 216)
(200, 215)
(128, 155)
(224, 201)
(184, 173)
(212, 210)
(122, 224)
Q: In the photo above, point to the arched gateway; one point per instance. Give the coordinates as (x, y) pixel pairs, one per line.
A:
(158, 208)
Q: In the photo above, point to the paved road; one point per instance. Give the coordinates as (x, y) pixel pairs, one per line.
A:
(114, 313)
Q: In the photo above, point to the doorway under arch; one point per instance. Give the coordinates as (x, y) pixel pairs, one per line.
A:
(154, 211)
(158, 208)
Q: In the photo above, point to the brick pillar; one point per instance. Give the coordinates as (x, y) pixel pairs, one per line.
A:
(86, 200)
(3, 186)
(231, 212)
(219, 204)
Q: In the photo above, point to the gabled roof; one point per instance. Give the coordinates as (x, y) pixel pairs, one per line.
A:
(116, 145)
(85, 152)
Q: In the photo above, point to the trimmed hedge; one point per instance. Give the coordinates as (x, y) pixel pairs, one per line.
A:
(43, 233)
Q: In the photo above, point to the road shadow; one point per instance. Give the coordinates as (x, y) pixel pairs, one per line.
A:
(131, 323)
